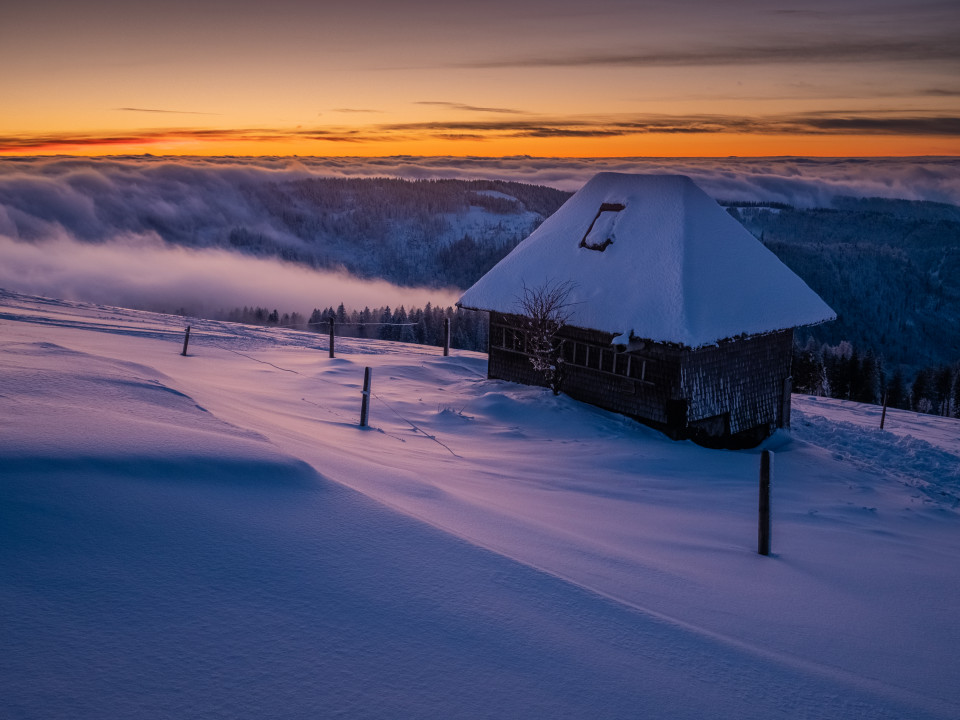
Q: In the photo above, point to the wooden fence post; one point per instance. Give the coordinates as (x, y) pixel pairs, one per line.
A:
(763, 535)
(331, 337)
(365, 397)
(446, 337)
(883, 415)
(186, 340)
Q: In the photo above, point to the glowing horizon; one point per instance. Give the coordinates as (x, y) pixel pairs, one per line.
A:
(716, 146)
(549, 79)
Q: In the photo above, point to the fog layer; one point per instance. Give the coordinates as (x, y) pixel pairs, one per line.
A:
(143, 272)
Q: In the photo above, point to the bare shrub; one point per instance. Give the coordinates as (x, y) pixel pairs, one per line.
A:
(546, 309)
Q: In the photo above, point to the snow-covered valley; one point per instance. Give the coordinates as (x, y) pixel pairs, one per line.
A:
(215, 536)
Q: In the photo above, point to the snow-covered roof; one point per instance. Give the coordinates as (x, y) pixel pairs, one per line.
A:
(677, 268)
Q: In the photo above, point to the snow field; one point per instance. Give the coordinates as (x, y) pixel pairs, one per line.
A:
(182, 538)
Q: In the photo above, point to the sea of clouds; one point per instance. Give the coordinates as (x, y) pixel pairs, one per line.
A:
(93, 229)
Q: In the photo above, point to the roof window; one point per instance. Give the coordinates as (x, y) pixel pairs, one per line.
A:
(600, 233)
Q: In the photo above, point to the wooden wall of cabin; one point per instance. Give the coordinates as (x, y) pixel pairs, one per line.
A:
(734, 387)
(638, 384)
(743, 377)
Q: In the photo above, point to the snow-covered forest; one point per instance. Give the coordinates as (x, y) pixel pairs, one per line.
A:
(890, 268)
(430, 232)
(423, 326)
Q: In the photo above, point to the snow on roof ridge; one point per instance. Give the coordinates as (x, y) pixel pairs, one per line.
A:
(679, 269)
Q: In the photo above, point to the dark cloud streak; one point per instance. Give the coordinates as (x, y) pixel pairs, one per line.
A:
(942, 126)
(920, 50)
(470, 108)
(814, 124)
(170, 112)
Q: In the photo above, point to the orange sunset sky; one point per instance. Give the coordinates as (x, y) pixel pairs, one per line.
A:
(544, 77)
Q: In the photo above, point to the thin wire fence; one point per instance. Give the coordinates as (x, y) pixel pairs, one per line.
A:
(209, 339)
(339, 324)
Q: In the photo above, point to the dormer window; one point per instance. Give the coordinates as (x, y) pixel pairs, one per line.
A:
(600, 233)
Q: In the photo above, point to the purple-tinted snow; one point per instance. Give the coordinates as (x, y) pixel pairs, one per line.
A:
(214, 536)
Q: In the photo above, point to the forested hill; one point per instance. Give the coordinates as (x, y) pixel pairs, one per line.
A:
(436, 233)
(890, 268)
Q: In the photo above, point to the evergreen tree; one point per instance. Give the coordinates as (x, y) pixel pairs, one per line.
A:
(419, 327)
(956, 393)
(865, 382)
(896, 392)
(920, 392)
(364, 319)
(943, 383)
(385, 331)
(400, 331)
(853, 374)
(837, 365)
(808, 373)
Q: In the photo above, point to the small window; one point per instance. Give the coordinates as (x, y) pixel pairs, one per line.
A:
(638, 368)
(580, 354)
(607, 359)
(599, 235)
(622, 364)
(518, 340)
(508, 338)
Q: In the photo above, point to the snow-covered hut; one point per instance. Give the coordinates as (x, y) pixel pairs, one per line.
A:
(678, 316)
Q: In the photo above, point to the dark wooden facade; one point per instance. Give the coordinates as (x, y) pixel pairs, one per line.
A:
(732, 394)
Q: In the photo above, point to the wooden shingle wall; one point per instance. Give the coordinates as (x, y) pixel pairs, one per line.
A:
(743, 377)
(635, 384)
(734, 387)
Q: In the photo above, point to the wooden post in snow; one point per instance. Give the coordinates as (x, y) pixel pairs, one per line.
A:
(186, 341)
(883, 415)
(365, 398)
(446, 337)
(331, 336)
(763, 534)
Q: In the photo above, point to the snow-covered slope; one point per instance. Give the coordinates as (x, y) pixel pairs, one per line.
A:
(214, 536)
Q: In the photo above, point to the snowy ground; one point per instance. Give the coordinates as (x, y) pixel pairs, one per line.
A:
(214, 536)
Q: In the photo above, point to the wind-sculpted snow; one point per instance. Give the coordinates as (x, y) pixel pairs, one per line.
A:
(903, 450)
(214, 536)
